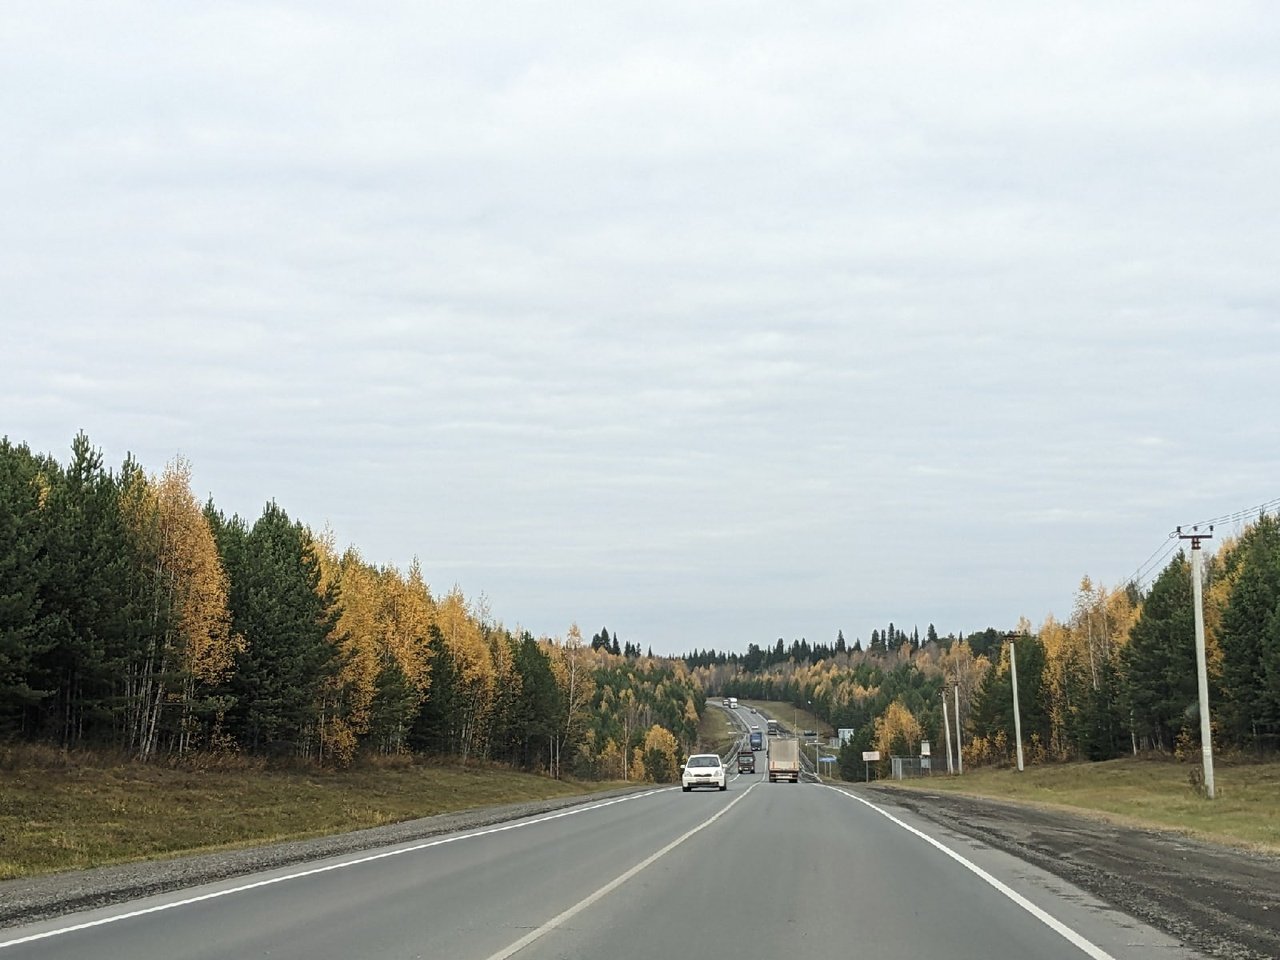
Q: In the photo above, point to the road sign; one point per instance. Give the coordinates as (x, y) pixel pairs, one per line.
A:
(845, 733)
(869, 755)
(924, 748)
(826, 759)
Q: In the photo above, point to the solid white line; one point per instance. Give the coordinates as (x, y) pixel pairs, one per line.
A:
(613, 884)
(1050, 921)
(515, 825)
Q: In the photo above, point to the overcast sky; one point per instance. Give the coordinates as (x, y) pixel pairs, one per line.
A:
(709, 322)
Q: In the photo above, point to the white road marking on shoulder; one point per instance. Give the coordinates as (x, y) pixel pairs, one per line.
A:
(613, 884)
(158, 908)
(1050, 921)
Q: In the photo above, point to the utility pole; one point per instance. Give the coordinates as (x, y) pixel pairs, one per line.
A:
(959, 747)
(1202, 672)
(946, 726)
(1017, 716)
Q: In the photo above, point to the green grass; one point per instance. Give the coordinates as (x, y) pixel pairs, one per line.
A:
(1152, 793)
(788, 714)
(63, 811)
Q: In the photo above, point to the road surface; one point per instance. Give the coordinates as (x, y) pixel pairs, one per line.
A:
(759, 871)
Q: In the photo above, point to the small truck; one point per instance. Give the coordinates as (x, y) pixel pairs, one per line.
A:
(746, 761)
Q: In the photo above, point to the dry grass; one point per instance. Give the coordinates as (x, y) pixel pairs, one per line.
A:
(64, 811)
(715, 733)
(1145, 792)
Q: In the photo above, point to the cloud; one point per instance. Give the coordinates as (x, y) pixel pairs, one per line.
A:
(760, 319)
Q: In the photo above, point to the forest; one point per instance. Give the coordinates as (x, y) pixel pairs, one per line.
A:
(1116, 677)
(136, 618)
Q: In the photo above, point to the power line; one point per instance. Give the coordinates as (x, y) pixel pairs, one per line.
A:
(1166, 546)
(1150, 573)
(1245, 514)
(1160, 554)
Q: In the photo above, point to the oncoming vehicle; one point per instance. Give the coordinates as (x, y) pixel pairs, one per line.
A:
(746, 761)
(703, 770)
(757, 741)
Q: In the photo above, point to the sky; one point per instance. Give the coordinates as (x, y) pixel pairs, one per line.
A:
(710, 323)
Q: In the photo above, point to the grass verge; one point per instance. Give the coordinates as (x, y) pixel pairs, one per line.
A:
(1141, 792)
(62, 811)
(715, 733)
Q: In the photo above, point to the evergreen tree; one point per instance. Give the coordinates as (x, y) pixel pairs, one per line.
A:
(840, 644)
(1250, 639)
(931, 636)
(87, 596)
(24, 568)
(288, 625)
(1159, 660)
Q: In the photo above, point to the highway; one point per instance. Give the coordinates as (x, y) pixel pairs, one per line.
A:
(759, 871)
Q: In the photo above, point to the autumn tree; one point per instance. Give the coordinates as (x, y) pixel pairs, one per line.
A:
(661, 755)
(187, 647)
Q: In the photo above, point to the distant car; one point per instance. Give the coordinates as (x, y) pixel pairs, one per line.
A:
(755, 726)
(703, 770)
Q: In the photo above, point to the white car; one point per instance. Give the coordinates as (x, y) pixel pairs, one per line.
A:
(703, 770)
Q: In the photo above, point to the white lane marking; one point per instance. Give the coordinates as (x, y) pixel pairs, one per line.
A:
(613, 884)
(1050, 921)
(501, 828)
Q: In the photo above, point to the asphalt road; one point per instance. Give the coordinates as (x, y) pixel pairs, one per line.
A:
(759, 871)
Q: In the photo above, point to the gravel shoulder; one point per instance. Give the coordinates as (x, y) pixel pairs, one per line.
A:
(38, 898)
(1220, 900)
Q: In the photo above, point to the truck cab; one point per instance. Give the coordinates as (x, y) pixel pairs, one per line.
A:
(757, 740)
(746, 761)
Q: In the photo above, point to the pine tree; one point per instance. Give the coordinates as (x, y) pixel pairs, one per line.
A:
(1159, 660)
(288, 624)
(24, 568)
(1250, 638)
(87, 637)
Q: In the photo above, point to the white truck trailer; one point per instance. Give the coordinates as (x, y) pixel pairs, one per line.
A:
(784, 759)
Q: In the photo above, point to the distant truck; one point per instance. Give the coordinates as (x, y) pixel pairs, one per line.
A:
(757, 740)
(746, 761)
(784, 759)
(733, 703)
(773, 728)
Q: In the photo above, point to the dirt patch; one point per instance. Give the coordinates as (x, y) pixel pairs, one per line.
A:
(1222, 901)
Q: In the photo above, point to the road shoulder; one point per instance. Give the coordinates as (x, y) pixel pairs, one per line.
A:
(26, 900)
(1223, 901)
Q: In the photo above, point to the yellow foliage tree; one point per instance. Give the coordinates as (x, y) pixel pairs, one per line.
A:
(190, 644)
(897, 731)
(661, 755)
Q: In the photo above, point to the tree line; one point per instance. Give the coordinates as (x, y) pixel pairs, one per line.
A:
(135, 617)
(1117, 677)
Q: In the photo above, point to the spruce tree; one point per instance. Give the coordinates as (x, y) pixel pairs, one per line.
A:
(1250, 638)
(1159, 660)
(23, 570)
(288, 624)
